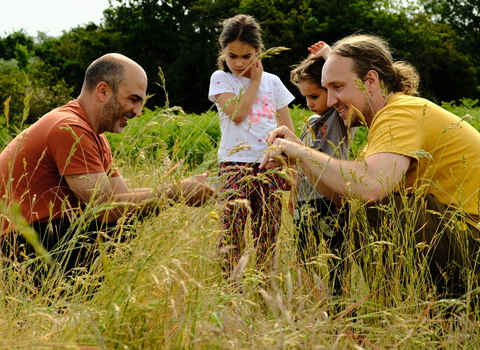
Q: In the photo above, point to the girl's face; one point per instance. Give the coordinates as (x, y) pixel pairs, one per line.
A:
(239, 56)
(315, 95)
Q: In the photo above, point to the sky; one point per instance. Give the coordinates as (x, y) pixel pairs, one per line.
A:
(48, 16)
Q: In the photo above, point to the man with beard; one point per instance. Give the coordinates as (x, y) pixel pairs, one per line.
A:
(63, 162)
(419, 159)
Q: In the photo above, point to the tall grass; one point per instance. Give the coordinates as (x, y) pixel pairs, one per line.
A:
(162, 287)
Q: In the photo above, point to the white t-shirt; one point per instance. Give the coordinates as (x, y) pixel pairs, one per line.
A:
(245, 142)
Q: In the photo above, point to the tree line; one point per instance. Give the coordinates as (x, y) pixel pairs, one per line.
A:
(439, 37)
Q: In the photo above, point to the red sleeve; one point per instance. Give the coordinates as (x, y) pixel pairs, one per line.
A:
(78, 151)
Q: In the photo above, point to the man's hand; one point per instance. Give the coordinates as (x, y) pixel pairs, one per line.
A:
(283, 132)
(196, 191)
(285, 148)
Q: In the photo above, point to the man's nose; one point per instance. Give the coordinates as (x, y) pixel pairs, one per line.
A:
(137, 109)
(331, 99)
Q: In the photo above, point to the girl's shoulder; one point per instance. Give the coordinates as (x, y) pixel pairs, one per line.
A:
(271, 78)
(267, 75)
(226, 77)
(220, 73)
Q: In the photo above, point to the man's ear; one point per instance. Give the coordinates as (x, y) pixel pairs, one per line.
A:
(102, 91)
(373, 81)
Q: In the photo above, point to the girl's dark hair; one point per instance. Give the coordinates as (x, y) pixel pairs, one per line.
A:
(242, 28)
(308, 70)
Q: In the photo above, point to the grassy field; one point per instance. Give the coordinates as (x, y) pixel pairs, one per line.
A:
(161, 287)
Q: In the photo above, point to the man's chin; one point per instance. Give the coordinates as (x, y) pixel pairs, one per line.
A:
(117, 129)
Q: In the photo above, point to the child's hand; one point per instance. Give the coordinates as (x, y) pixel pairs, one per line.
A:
(320, 49)
(256, 70)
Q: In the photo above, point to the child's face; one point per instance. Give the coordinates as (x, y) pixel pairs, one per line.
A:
(239, 56)
(315, 95)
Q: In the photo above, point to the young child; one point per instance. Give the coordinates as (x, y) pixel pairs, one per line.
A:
(315, 216)
(251, 103)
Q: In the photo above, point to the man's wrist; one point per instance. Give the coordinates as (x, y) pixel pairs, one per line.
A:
(165, 192)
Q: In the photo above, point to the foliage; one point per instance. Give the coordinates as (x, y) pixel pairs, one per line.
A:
(10, 44)
(34, 82)
(170, 35)
(463, 17)
(163, 288)
(160, 287)
(470, 109)
(169, 133)
(69, 56)
(180, 36)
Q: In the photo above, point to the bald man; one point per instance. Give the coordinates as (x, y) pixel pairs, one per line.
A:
(64, 162)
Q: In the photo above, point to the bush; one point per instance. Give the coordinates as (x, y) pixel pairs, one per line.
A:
(31, 92)
(191, 138)
(466, 108)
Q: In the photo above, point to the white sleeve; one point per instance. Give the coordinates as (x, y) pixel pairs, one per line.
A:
(282, 95)
(220, 82)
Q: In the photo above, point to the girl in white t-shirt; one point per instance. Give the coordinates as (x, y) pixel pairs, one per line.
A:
(251, 103)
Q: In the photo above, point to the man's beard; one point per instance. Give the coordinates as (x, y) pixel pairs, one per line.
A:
(112, 114)
(360, 118)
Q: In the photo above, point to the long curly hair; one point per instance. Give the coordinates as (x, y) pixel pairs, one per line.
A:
(373, 53)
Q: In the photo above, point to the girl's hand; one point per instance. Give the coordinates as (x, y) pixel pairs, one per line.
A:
(320, 49)
(256, 70)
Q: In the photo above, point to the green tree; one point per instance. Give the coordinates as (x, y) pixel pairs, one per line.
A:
(68, 57)
(181, 37)
(31, 92)
(461, 15)
(464, 17)
(9, 45)
(171, 35)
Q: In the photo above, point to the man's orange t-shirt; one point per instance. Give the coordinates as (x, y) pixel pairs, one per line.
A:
(32, 166)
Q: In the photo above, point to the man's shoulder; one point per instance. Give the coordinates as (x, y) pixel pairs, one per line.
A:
(401, 99)
(70, 114)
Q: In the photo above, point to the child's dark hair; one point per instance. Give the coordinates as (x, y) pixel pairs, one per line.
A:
(308, 70)
(242, 28)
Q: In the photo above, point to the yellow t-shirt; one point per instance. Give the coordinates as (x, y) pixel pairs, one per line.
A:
(445, 149)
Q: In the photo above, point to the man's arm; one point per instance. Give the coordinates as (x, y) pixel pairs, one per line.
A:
(100, 189)
(371, 179)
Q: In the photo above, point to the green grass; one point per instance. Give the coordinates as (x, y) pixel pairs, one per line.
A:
(163, 289)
